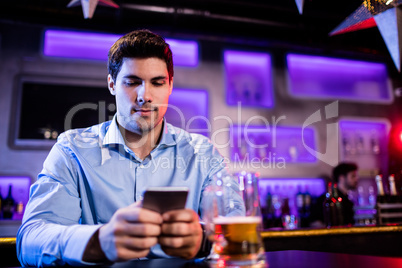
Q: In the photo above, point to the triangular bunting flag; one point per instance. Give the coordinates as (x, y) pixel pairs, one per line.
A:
(390, 25)
(300, 4)
(89, 6)
(386, 15)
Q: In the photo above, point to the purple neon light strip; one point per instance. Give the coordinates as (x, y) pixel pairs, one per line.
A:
(95, 46)
(185, 52)
(316, 186)
(324, 77)
(77, 45)
(361, 125)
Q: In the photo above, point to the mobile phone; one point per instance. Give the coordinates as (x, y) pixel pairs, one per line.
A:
(162, 199)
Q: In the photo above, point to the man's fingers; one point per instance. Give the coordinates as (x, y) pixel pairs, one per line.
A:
(141, 230)
(183, 215)
(137, 243)
(181, 233)
(137, 214)
(125, 254)
(176, 242)
(180, 229)
(184, 247)
(185, 253)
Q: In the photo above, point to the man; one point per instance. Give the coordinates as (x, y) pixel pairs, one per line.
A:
(86, 204)
(346, 177)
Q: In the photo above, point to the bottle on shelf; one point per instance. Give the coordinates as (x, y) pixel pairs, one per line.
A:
(300, 201)
(285, 214)
(346, 145)
(375, 147)
(393, 198)
(252, 148)
(338, 206)
(243, 149)
(360, 196)
(333, 215)
(381, 198)
(277, 206)
(360, 144)
(8, 204)
(19, 205)
(1, 205)
(305, 220)
(262, 151)
(285, 207)
(269, 214)
(246, 94)
(290, 195)
(257, 96)
(329, 207)
(268, 198)
(307, 201)
(371, 197)
(303, 202)
(381, 202)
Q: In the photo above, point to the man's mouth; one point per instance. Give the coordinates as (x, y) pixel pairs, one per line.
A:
(144, 111)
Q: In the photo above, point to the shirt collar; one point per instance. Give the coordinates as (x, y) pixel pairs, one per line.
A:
(113, 134)
(168, 135)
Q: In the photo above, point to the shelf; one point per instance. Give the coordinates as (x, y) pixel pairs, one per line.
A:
(248, 77)
(317, 77)
(267, 145)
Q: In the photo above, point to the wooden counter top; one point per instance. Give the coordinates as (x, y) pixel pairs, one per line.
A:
(366, 240)
(330, 231)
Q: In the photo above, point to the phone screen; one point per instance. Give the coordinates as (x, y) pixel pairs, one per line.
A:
(162, 199)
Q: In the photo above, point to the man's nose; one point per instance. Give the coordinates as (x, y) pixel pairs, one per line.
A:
(143, 94)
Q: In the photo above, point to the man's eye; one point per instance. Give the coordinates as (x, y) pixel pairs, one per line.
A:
(131, 83)
(159, 83)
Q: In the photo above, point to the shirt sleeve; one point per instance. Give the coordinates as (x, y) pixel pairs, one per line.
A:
(51, 233)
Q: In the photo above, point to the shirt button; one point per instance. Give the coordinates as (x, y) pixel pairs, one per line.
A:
(141, 166)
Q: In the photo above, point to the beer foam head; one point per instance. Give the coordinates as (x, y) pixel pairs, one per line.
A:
(237, 220)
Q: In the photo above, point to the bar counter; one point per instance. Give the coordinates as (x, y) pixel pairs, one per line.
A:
(346, 246)
(365, 240)
(283, 259)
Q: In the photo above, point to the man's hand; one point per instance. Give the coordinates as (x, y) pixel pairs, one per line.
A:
(181, 233)
(130, 233)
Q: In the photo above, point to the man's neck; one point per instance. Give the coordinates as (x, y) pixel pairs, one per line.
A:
(142, 144)
(342, 188)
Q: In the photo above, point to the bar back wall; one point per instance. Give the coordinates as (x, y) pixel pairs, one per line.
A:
(246, 100)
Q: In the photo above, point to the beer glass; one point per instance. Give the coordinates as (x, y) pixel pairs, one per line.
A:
(232, 215)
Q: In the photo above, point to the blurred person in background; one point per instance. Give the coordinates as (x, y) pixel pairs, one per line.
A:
(345, 176)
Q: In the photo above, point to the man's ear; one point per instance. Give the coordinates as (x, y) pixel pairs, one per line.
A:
(110, 85)
(170, 86)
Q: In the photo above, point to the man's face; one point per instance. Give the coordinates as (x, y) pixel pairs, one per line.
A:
(351, 180)
(142, 91)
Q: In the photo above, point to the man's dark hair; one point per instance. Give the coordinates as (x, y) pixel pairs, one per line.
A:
(343, 169)
(139, 44)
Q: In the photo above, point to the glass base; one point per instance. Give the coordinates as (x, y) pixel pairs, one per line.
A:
(256, 260)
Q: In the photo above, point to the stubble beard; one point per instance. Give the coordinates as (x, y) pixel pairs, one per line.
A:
(141, 125)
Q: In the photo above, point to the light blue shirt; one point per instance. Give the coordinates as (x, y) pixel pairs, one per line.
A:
(90, 173)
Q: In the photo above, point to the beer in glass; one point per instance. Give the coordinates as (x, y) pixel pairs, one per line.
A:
(233, 215)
